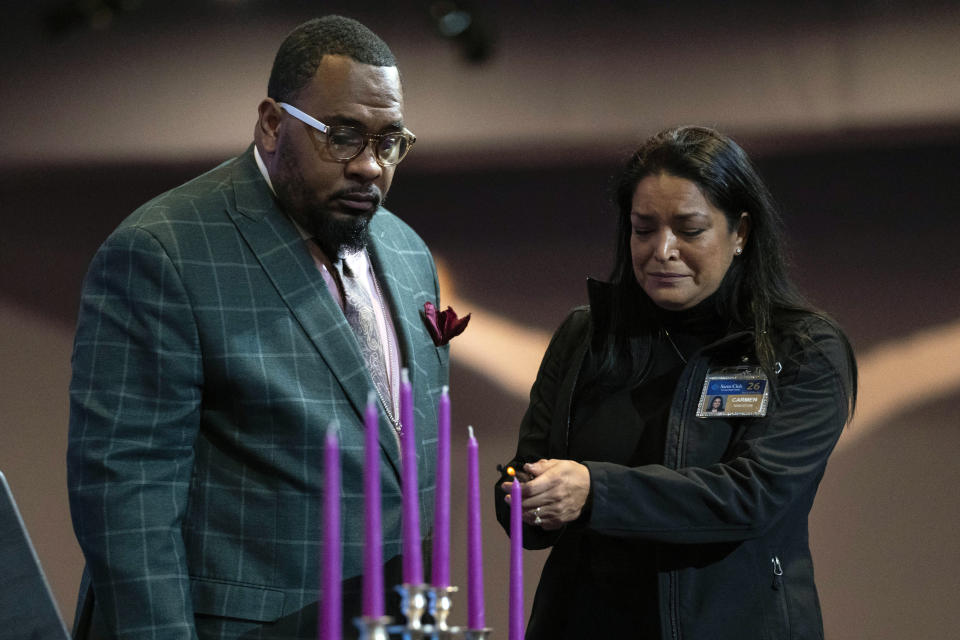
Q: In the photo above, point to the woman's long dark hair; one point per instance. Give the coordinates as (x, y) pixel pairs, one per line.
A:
(756, 290)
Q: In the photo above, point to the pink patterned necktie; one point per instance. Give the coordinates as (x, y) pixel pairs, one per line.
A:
(358, 308)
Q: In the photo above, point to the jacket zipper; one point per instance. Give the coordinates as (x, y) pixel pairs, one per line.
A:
(573, 389)
(778, 586)
(684, 411)
(674, 574)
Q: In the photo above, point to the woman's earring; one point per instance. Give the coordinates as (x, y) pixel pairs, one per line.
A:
(738, 251)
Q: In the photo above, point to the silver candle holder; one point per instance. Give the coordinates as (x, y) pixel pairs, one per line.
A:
(373, 628)
(413, 604)
(440, 605)
(417, 600)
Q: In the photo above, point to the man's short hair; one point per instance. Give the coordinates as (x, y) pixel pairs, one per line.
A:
(303, 48)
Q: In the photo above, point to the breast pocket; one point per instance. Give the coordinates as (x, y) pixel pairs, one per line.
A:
(443, 353)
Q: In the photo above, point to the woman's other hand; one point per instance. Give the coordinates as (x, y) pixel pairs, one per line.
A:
(555, 495)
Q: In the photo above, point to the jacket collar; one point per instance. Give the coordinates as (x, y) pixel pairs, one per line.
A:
(600, 295)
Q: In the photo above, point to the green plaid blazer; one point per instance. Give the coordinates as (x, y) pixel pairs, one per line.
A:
(209, 359)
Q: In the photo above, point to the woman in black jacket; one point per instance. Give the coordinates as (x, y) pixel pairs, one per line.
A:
(669, 520)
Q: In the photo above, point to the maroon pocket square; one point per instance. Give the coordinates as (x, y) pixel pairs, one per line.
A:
(443, 325)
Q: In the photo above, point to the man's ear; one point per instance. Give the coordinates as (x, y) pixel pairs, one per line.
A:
(268, 125)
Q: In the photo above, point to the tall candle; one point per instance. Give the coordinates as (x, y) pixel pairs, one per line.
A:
(412, 554)
(441, 513)
(330, 622)
(516, 562)
(373, 543)
(475, 612)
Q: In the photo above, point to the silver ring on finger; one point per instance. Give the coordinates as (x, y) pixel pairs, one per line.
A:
(536, 516)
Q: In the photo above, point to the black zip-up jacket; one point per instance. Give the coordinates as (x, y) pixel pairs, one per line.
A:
(725, 514)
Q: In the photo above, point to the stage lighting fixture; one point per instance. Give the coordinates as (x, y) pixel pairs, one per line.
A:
(462, 25)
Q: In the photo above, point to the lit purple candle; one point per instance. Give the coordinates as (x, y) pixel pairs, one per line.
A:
(441, 514)
(412, 554)
(330, 620)
(475, 613)
(516, 562)
(373, 544)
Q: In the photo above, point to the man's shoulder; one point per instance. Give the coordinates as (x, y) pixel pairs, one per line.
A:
(195, 201)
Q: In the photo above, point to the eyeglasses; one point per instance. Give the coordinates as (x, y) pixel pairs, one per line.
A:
(346, 143)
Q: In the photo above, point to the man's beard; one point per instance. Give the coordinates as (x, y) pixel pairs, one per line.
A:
(335, 234)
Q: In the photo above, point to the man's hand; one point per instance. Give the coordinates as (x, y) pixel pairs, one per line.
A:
(556, 493)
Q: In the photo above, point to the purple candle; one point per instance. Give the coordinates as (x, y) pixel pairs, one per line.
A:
(412, 558)
(516, 562)
(441, 521)
(330, 620)
(475, 612)
(373, 543)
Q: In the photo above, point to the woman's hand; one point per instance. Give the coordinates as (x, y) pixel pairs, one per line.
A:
(556, 493)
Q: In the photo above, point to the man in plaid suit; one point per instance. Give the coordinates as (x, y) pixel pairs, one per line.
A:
(213, 351)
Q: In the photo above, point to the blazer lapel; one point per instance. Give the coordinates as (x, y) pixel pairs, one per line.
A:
(399, 305)
(416, 346)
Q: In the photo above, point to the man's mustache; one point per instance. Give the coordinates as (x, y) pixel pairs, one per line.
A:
(371, 193)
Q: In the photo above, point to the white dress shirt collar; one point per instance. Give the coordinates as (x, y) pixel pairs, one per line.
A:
(263, 170)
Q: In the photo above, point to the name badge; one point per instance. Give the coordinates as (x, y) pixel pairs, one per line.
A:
(734, 391)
